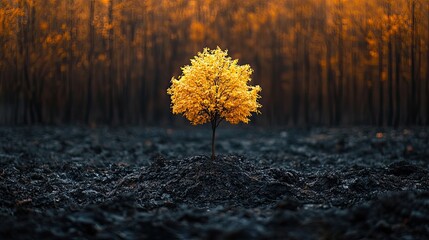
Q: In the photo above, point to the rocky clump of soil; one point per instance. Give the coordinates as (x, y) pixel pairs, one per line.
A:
(207, 183)
(153, 183)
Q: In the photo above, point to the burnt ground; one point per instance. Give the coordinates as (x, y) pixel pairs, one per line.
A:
(153, 183)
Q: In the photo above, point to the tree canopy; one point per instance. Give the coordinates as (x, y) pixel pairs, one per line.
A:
(214, 88)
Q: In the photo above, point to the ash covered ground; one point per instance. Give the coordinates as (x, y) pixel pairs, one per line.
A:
(154, 183)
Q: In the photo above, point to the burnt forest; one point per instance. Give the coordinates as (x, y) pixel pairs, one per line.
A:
(214, 119)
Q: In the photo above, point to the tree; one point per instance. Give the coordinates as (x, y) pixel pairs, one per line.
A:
(90, 56)
(214, 88)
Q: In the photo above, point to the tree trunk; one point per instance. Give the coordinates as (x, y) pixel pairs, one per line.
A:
(370, 100)
(419, 82)
(90, 62)
(70, 56)
(307, 84)
(339, 91)
(143, 84)
(28, 90)
(331, 83)
(380, 85)
(398, 82)
(427, 70)
(412, 98)
(389, 74)
(354, 91)
(111, 77)
(320, 92)
(295, 85)
(213, 140)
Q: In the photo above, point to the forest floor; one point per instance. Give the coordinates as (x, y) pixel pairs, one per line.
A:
(154, 183)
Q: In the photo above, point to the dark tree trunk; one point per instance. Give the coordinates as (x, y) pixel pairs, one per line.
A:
(320, 93)
(28, 90)
(419, 82)
(295, 85)
(307, 84)
(339, 91)
(90, 63)
(389, 74)
(370, 100)
(398, 82)
(380, 85)
(331, 84)
(427, 70)
(354, 91)
(70, 64)
(213, 157)
(412, 96)
(111, 77)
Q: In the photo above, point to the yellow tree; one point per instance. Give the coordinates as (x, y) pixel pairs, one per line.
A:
(214, 88)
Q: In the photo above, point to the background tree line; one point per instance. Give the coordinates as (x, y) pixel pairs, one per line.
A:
(318, 61)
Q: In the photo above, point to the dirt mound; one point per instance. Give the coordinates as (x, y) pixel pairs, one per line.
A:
(199, 180)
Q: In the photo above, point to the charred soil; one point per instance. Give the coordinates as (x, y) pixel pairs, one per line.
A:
(153, 183)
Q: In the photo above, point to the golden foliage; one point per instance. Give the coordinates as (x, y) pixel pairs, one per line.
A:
(213, 88)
